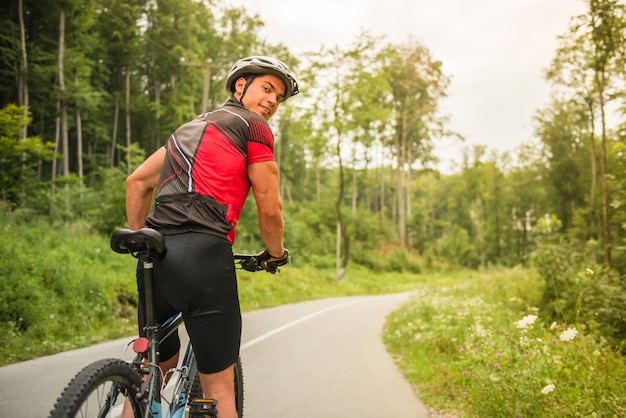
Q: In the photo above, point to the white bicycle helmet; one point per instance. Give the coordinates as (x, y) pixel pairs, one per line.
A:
(259, 65)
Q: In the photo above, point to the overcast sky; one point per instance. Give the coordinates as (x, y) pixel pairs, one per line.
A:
(495, 51)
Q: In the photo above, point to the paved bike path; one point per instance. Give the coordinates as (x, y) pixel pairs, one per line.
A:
(324, 358)
(311, 359)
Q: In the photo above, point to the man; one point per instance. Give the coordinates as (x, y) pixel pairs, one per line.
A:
(202, 177)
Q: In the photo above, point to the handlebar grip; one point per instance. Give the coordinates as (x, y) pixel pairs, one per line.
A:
(256, 262)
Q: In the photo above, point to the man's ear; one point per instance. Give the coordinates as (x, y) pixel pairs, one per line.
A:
(239, 85)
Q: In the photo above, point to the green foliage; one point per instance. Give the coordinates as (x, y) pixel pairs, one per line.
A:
(374, 104)
(311, 234)
(475, 346)
(60, 287)
(105, 205)
(454, 249)
(19, 158)
(577, 291)
(388, 258)
(311, 228)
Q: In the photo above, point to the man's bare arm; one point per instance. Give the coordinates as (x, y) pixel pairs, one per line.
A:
(140, 187)
(265, 187)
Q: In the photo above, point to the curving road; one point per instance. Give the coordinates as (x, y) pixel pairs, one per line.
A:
(323, 358)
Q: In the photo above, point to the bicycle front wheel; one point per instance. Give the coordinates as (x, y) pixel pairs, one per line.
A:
(100, 390)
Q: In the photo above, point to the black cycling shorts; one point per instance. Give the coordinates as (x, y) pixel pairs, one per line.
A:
(196, 276)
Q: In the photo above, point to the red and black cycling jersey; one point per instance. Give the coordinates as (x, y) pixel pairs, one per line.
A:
(204, 181)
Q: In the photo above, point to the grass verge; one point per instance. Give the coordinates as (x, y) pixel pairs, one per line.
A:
(477, 347)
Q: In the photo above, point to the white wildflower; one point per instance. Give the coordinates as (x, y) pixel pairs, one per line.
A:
(480, 330)
(568, 335)
(548, 389)
(526, 321)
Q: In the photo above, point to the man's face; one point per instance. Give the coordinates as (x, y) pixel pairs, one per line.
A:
(263, 95)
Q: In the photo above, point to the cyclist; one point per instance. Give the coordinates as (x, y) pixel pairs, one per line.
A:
(202, 177)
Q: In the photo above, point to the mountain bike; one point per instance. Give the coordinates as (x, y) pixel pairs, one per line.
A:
(102, 388)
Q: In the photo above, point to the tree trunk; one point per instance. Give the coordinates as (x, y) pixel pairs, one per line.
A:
(128, 136)
(23, 74)
(57, 140)
(603, 28)
(157, 101)
(382, 186)
(354, 182)
(79, 139)
(63, 107)
(116, 119)
(594, 178)
(496, 195)
(401, 148)
(63, 104)
(318, 183)
(407, 198)
(605, 188)
(342, 236)
(478, 215)
(285, 190)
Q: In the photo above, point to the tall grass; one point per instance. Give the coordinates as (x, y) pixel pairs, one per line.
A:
(478, 348)
(60, 287)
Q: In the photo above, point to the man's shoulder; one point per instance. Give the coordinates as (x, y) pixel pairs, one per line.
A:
(236, 108)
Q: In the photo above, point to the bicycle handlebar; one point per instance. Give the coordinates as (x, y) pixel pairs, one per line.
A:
(249, 262)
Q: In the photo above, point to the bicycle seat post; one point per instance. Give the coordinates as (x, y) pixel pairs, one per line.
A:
(151, 327)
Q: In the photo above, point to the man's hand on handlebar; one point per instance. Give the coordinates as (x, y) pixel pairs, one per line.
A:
(270, 263)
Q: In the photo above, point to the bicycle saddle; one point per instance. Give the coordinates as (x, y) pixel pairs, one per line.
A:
(125, 241)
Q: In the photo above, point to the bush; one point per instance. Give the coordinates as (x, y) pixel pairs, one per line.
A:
(387, 258)
(19, 158)
(60, 287)
(454, 249)
(580, 292)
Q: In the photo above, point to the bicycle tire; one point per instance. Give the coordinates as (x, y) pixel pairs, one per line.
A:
(196, 389)
(88, 393)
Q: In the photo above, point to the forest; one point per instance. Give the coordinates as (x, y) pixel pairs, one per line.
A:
(89, 88)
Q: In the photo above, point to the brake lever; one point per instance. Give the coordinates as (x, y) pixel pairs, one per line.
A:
(252, 265)
(249, 264)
